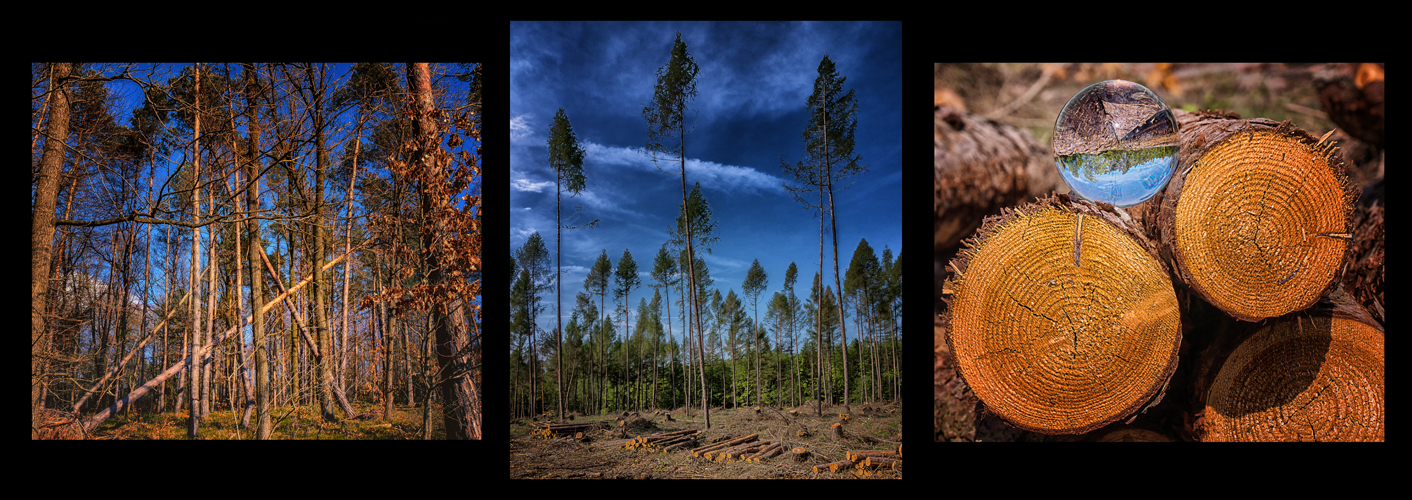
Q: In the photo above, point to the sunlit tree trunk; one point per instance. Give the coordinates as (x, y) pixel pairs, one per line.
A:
(51, 166)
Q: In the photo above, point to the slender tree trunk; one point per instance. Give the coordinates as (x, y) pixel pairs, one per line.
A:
(193, 361)
(263, 420)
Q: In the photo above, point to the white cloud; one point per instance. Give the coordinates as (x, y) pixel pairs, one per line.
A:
(712, 175)
(527, 185)
(520, 128)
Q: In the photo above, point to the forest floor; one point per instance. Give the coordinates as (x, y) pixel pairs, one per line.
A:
(877, 428)
(300, 422)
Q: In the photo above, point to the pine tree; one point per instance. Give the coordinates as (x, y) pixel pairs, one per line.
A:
(755, 282)
(566, 158)
(829, 159)
(676, 84)
(625, 280)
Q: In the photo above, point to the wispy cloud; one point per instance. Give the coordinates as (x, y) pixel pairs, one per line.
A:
(712, 175)
(520, 128)
(530, 186)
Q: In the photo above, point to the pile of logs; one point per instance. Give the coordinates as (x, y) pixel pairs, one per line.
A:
(548, 430)
(866, 460)
(747, 448)
(662, 441)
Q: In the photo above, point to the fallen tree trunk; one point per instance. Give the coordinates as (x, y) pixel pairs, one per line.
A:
(137, 393)
(1061, 318)
(1256, 218)
(114, 371)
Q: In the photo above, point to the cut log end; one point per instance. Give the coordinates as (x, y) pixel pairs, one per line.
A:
(1300, 378)
(1257, 219)
(1055, 347)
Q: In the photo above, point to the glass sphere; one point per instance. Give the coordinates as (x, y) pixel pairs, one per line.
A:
(1116, 142)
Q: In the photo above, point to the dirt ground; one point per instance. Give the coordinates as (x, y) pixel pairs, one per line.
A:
(879, 427)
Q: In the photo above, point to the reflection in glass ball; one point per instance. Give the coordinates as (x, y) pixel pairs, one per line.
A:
(1116, 141)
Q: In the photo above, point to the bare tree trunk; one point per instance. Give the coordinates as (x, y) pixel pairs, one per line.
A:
(458, 406)
(263, 421)
(193, 361)
(46, 193)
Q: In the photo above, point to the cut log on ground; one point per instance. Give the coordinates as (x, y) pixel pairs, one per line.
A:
(727, 443)
(980, 167)
(875, 463)
(1061, 318)
(834, 467)
(859, 455)
(1256, 217)
(1315, 375)
(766, 452)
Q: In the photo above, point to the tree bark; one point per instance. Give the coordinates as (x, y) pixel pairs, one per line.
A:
(51, 166)
(263, 420)
(980, 167)
(458, 395)
(193, 362)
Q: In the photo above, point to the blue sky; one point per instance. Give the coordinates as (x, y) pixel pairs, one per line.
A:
(749, 114)
(128, 96)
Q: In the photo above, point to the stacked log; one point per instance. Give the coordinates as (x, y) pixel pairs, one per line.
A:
(1061, 317)
(660, 441)
(699, 452)
(1258, 235)
(1314, 375)
(1256, 218)
(548, 430)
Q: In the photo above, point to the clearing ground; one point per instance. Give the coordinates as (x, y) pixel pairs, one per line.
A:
(289, 422)
(874, 426)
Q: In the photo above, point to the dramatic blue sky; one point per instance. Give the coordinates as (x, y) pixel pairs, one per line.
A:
(749, 114)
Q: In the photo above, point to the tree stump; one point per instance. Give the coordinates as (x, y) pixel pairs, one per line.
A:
(1256, 218)
(801, 455)
(836, 431)
(1061, 318)
(1315, 375)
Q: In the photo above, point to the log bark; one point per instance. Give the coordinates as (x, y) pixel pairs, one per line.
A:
(766, 452)
(732, 442)
(982, 166)
(1061, 318)
(142, 390)
(874, 463)
(1256, 218)
(1363, 280)
(1313, 375)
